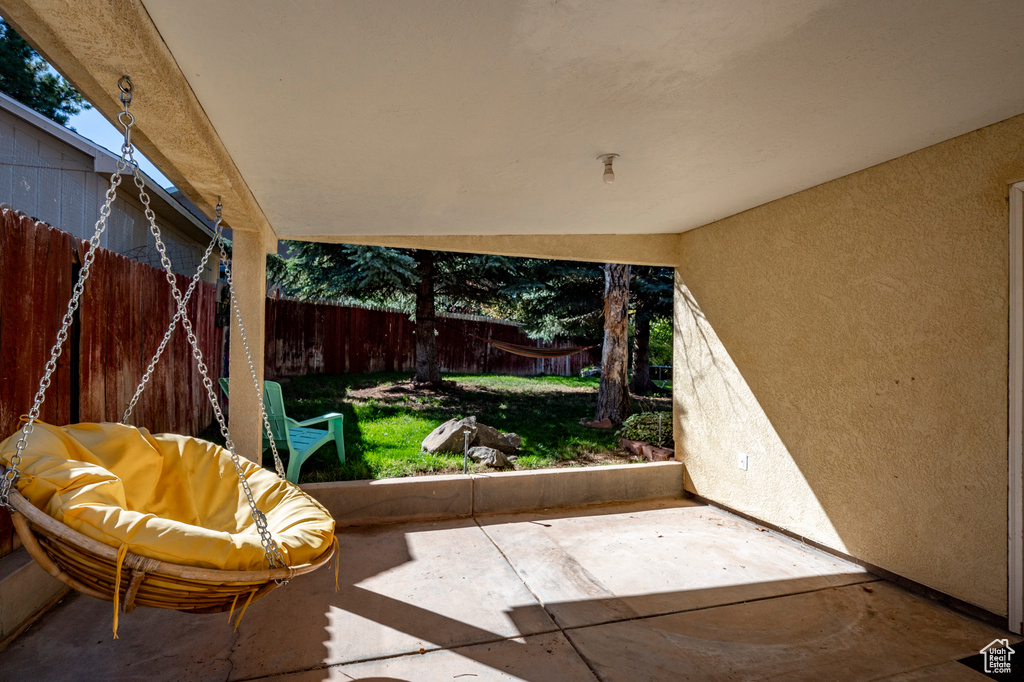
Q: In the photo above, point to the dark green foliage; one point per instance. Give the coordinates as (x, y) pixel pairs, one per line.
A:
(550, 298)
(427, 282)
(651, 292)
(277, 268)
(566, 298)
(381, 275)
(26, 77)
(661, 341)
(556, 298)
(652, 300)
(644, 427)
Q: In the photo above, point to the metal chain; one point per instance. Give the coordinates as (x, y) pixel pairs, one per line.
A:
(259, 518)
(278, 465)
(11, 473)
(174, 323)
(270, 548)
(125, 163)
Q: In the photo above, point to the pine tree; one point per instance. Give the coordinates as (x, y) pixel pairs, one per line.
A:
(651, 292)
(613, 400)
(553, 298)
(26, 77)
(428, 368)
(557, 298)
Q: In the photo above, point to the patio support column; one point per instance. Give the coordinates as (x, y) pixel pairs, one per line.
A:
(249, 270)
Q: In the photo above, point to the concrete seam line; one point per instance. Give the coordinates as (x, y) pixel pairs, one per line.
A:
(554, 620)
(403, 654)
(868, 579)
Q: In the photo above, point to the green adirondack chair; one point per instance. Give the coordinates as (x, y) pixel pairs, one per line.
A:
(300, 440)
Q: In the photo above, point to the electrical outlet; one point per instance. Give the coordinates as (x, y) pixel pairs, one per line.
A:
(742, 461)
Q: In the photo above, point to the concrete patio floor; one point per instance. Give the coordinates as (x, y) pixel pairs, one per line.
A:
(670, 590)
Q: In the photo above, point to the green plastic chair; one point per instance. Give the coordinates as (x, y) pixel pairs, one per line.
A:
(301, 441)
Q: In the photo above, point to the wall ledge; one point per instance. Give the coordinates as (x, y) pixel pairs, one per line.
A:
(357, 503)
(26, 593)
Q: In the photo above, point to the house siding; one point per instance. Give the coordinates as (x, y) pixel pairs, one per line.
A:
(50, 180)
(45, 177)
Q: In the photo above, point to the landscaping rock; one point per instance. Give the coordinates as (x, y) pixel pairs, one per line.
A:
(656, 454)
(489, 456)
(490, 437)
(634, 447)
(448, 437)
(603, 424)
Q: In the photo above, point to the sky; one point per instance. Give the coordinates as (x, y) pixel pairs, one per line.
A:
(91, 125)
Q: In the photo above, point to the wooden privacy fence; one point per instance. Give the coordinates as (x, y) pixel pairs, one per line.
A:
(124, 312)
(326, 338)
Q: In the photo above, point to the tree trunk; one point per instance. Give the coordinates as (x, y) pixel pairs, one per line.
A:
(428, 370)
(613, 394)
(641, 383)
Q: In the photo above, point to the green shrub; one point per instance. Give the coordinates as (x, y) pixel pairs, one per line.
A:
(644, 427)
(661, 341)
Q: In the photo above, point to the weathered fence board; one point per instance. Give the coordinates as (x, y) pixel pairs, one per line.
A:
(92, 348)
(124, 312)
(324, 338)
(34, 281)
(61, 283)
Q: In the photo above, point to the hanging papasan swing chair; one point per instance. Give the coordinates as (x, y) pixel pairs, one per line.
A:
(166, 521)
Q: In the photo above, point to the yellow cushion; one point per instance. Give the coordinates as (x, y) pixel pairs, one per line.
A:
(170, 498)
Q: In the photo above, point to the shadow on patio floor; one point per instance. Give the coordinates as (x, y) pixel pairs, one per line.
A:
(658, 591)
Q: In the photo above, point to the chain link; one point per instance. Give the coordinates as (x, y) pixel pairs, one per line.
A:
(11, 473)
(174, 324)
(259, 518)
(278, 465)
(124, 164)
(218, 241)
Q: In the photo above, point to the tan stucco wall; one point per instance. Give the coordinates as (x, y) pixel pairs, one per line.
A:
(860, 361)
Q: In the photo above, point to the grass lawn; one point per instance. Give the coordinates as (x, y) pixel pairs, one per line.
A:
(386, 419)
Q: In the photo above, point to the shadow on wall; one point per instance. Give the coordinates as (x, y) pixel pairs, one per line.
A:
(881, 445)
(719, 420)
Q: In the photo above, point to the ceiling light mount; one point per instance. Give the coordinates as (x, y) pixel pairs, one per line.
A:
(609, 174)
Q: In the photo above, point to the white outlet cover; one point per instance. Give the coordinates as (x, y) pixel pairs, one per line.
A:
(742, 461)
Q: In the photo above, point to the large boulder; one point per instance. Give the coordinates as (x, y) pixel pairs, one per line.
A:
(448, 437)
(489, 456)
(490, 437)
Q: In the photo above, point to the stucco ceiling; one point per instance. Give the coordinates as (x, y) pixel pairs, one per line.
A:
(464, 117)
